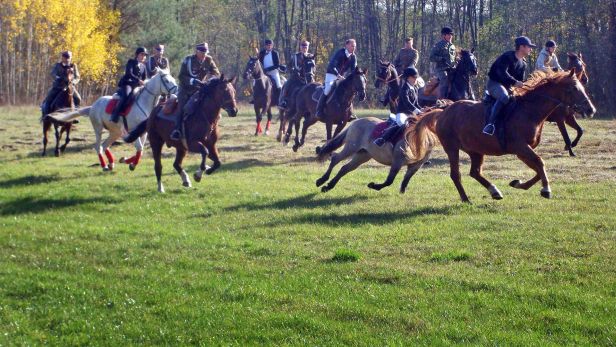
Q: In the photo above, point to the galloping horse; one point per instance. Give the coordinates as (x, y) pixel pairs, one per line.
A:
(295, 82)
(358, 141)
(567, 116)
(337, 110)
(202, 129)
(64, 99)
(459, 127)
(146, 98)
(265, 95)
(386, 75)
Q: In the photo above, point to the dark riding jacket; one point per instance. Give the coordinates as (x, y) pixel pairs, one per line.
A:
(59, 73)
(192, 69)
(155, 62)
(408, 102)
(443, 53)
(297, 62)
(340, 63)
(134, 72)
(507, 69)
(275, 60)
(406, 57)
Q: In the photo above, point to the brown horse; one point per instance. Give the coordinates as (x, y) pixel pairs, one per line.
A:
(337, 111)
(297, 80)
(202, 129)
(264, 93)
(64, 100)
(567, 115)
(386, 75)
(358, 141)
(459, 127)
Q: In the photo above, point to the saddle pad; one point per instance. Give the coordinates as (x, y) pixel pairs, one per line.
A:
(112, 104)
(380, 128)
(318, 91)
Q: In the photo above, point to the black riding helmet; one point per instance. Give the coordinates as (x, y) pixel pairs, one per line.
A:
(446, 30)
(410, 71)
(140, 50)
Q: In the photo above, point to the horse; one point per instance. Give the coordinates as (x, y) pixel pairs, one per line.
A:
(145, 97)
(201, 125)
(63, 100)
(386, 75)
(567, 116)
(459, 127)
(296, 82)
(459, 80)
(358, 141)
(337, 110)
(265, 95)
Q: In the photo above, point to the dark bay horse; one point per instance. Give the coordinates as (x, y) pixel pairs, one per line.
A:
(566, 115)
(64, 100)
(264, 93)
(337, 111)
(460, 87)
(386, 75)
(202, 129)
(459, 127)
(297, 80)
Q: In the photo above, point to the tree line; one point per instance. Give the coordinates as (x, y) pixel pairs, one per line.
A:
(103, 35)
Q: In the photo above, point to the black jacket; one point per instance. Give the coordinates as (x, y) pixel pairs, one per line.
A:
(134, 73)
(59, 73)
(339, 63)
(408, 100)
(275, 60)
(507, 69)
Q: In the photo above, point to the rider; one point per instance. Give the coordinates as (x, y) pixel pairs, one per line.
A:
(407, 56)
(271, 63)
(407, 104)
(156, 60)
(193, 74)
(59, 73)
(547, 58)
(506, 72)
(297, 63)
(443, 54)
(342, 61)
(134, 76)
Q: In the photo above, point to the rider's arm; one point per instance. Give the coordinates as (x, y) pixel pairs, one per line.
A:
(415, 59)
(213, 68)
(185, 78)
(540, 65)
(76, 76)
(502, 71)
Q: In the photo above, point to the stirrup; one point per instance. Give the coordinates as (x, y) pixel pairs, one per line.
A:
(489, 129)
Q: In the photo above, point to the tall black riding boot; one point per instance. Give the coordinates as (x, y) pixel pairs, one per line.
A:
(490, 124)
(176, 134)
(388, 134)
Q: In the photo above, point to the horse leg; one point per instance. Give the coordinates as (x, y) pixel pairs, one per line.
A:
(357, 159)
(212, 152)
(411, 170)
(454, 171)
(68, 139)
(58, 135)
(308, 122)
(156, 143)
(134, 160)
(269, 120)
(393, 172)
(476, 168)
(565, 135)
(98, 132)
(259, 115)
(339, 128)
(336, 158)
(114, 134)
(328, 131)
(281, 128)
(204, 152)
(532, 160)
(46, 126)
(572, 122)
(180, 153)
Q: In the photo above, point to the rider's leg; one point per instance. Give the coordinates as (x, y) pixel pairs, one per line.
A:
(329, 81)
(124, 92)
(501, 95)
(51, 95)
(443, 84)
(176, 134)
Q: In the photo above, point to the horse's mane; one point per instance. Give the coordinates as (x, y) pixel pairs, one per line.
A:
(537, 79)
(209, 87)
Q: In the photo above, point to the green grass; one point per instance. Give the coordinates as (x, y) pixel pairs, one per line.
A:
(245, 257)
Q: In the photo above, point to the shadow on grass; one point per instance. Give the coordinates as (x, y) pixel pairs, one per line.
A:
(33, 205)
(305, 201)
(29, 181)
(244, 164)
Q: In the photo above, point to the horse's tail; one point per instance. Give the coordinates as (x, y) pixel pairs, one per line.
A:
(67, 116)
(136, 133)
(332, 145)
(420, 137)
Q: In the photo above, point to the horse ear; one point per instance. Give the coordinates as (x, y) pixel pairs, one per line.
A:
(580, 55)
(233, 80)
(572, 72)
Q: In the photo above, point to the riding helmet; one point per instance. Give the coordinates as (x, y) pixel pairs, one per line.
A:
(524, 41)
(446, 30)
(550, 44)
(410, 71)
(140, 50)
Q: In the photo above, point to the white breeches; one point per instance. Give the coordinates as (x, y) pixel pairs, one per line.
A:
(275, 75)
(399, 118)
(329, 81)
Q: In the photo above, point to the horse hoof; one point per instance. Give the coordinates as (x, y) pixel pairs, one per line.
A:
(122, 160)
(106, 169)
(197, 177)
(56, 153)
(497, 196)
(546, 194)
(515, 183)
(320, 182)
(132, 167)
(571, 154)
(43, 154)
(295, 148)
(324, 189)
(372, 185)
(186, 184)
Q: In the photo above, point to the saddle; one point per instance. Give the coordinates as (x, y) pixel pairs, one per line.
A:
(318, 91)
(380, 128)
(501, 122)
(111, 105)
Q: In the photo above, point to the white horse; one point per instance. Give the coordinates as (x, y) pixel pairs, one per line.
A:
(145, 98)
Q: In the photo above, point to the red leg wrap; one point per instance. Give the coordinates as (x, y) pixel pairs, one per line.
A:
(101, 159)
(109, 156)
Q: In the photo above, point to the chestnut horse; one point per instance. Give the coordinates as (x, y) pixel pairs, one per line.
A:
(459, 127)
(63, 100)
(337, 110)
(201, 127)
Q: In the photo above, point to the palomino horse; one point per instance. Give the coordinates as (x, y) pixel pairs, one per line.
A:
(63, 100)
(460, 87)
(145, 100)
(297, 80)
(386, 75)
(201, 125)
(264, 93)
(337, 110)
(358, 141)
(459, 127)
(567, 116)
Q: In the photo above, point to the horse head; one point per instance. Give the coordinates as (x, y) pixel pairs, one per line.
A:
(568, 90)
(358, 77)
(253, 67)
(383, 73)
(308, 67)
(224, 94)
(468, 63)
(575, 62)
(166, 82)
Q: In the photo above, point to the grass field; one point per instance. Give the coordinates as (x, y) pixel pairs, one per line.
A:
(255, 254)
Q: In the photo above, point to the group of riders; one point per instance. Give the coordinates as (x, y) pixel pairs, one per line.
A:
(507, 71)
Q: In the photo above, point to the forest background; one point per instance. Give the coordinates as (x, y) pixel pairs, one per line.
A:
(103, 34)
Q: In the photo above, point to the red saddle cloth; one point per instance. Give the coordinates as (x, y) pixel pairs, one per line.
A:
(380, 128)
(112, 104)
